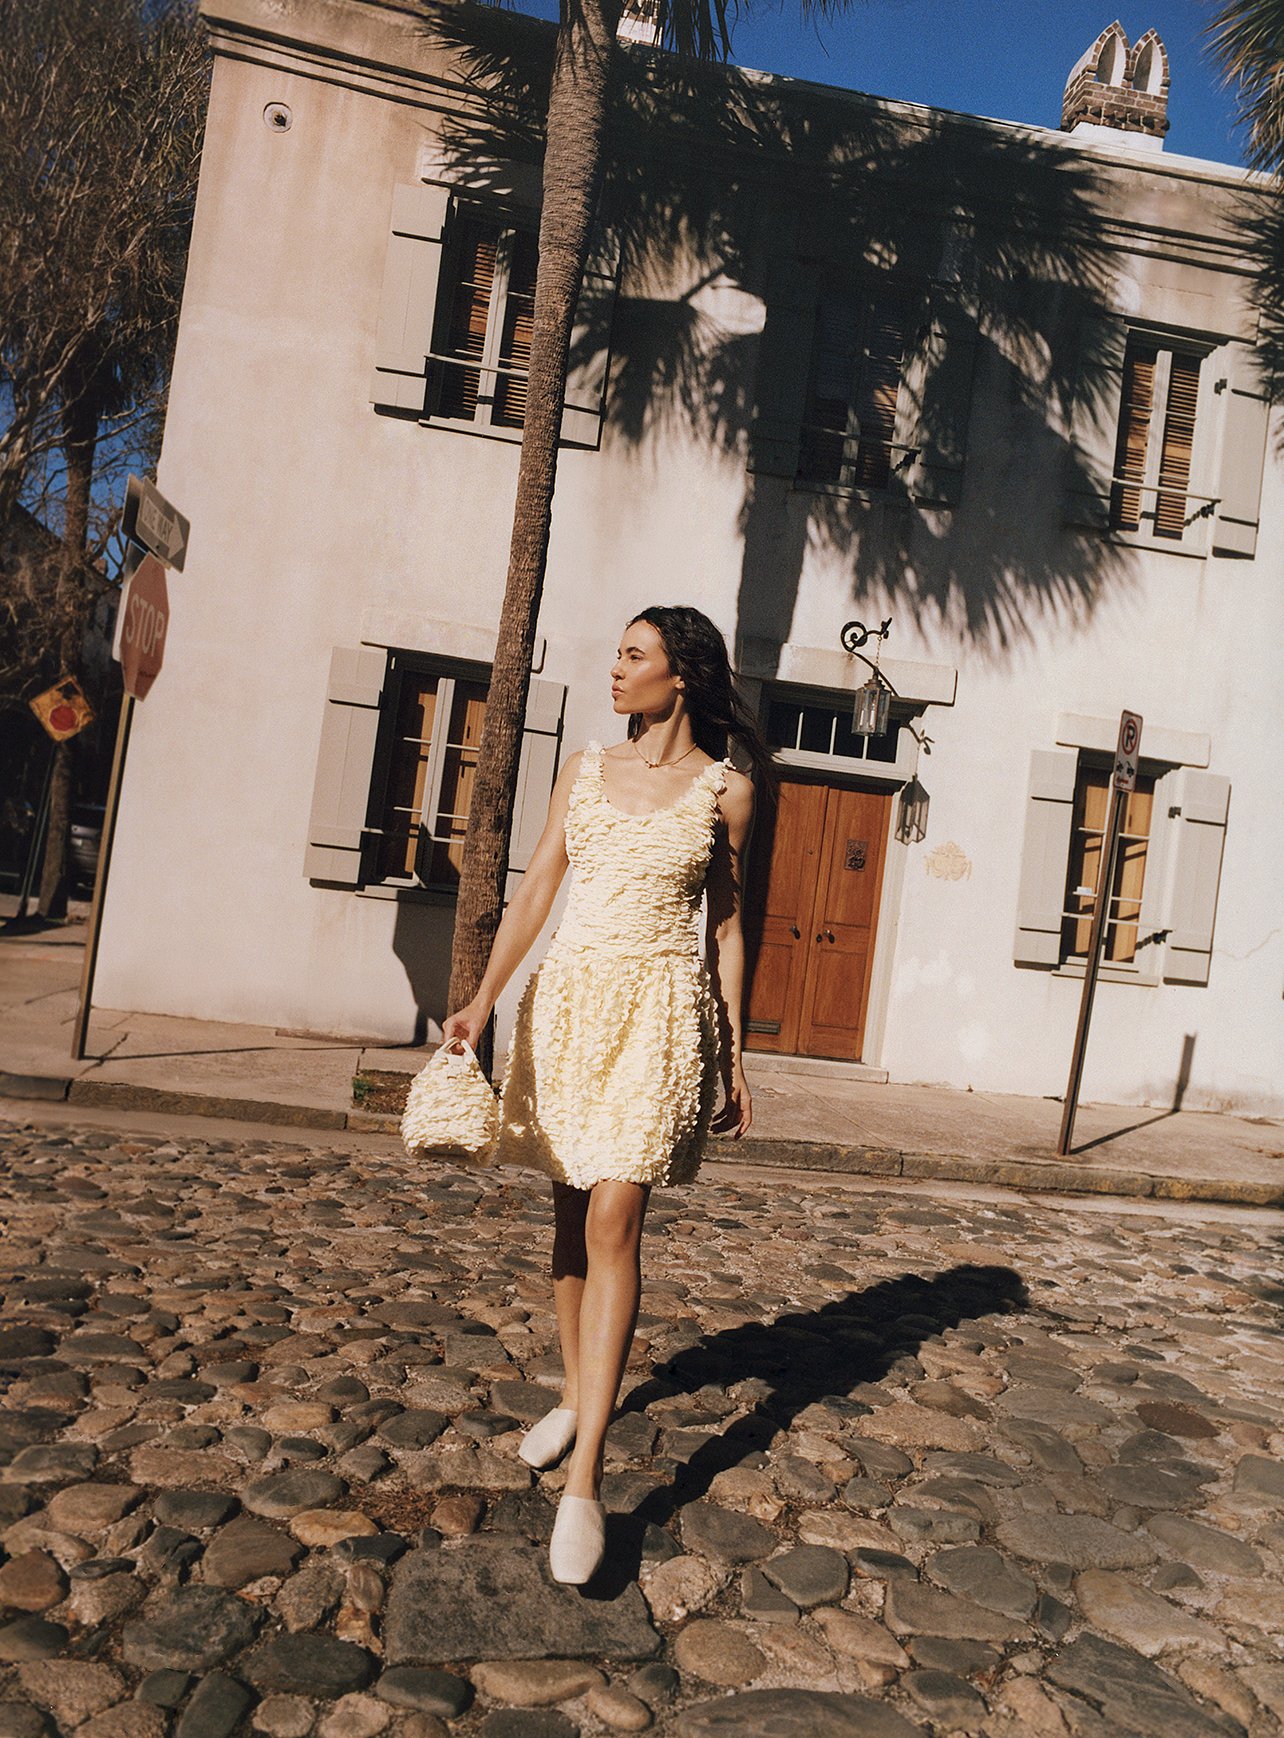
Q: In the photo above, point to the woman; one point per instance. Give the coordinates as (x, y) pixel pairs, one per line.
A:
(622, 1032)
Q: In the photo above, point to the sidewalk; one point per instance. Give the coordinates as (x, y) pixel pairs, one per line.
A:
(801, 1120)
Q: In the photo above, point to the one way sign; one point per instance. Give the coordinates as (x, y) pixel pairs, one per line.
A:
(153, 522)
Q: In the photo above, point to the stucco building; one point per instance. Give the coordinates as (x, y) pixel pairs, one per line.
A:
(838, 358)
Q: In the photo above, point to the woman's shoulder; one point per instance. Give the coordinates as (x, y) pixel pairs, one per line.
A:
(736, 799)
(573, 765)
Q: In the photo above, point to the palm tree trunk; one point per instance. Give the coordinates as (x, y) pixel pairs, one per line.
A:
(80, 438)
(572, 170)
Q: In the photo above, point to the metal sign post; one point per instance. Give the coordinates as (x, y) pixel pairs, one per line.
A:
(35, 846)
(158, 536)
(100, 877)
(1124, 781)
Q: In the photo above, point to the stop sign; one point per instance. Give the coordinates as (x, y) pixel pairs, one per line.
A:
(145, 621)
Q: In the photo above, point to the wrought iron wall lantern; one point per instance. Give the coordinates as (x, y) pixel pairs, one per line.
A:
(911, 816)
(873, 704)
(870, 716)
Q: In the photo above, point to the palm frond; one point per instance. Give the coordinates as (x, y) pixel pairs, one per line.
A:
(1247, 37)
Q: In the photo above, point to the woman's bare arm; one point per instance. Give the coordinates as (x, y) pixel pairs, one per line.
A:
(525, 915)
(726, 945)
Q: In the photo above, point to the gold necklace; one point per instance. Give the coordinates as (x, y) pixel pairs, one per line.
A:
(655, 765)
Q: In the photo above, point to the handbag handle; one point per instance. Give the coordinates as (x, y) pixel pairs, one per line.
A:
(449, 1049)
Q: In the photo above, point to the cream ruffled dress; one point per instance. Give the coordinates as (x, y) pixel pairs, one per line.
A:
(613, 1068)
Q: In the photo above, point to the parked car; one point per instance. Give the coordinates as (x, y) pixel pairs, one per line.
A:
(86, 837)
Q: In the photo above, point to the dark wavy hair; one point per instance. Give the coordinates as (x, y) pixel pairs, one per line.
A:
(697, 652)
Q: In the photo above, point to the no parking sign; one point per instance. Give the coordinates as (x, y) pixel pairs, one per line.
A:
(1128, 751)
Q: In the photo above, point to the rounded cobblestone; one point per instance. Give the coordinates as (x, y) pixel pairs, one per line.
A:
(907, 1443)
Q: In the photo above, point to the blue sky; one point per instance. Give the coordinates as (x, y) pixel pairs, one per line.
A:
(991, 57)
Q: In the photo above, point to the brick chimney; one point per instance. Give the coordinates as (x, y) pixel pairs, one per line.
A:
(1118, 95)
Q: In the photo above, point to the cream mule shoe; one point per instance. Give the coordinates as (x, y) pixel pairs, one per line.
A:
(578, 1545)
(547, 1441)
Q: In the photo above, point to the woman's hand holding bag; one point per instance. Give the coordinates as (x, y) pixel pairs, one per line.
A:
(451, 1110)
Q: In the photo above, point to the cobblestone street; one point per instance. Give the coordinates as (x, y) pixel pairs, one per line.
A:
(890, 1460)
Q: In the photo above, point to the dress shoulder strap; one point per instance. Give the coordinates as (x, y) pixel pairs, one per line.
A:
(716, 774)
(590, 772)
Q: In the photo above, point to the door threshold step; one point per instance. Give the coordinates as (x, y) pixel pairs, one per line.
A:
(767, 1062)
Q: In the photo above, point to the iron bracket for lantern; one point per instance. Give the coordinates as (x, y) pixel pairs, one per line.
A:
(855, 634)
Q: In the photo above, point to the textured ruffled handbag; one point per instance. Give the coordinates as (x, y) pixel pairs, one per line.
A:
(451, 1110)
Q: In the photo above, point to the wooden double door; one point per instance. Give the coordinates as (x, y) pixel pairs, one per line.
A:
(813, 904)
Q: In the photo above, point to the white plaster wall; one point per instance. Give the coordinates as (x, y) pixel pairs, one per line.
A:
(308, 509)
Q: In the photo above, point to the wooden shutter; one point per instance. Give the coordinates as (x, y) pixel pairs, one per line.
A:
(1094, 422)
(584, 408)
(1201, 834)
(949, 362)
(338, 832)
(407, 309)
(1172, 509)
(1136, 408)
(1154, 891)
(784, 367)
(1045, 854)
(536, 774)
(1247, 412)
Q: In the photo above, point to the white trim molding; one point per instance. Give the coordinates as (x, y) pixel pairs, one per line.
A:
(830, 667)
(1171, 747)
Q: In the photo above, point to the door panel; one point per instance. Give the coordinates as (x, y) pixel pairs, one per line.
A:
(849, 881)
(814, 895)
(782, 893)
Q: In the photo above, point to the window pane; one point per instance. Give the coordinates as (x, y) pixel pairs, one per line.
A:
(1083, 880)
(817, 729)
(407, 776)
(783, 720)
(878, 391)
(850, 420)
(1092, 798)
(883, 747)
(829, 402)
(459, 766)
(465, 335)
(846, 741)
(1171, 510)
(1134, 434)
(519, 323)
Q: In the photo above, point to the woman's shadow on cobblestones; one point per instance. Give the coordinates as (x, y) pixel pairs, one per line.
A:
(798, 1359)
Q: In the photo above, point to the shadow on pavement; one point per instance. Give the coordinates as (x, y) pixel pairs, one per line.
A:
(802, 1358)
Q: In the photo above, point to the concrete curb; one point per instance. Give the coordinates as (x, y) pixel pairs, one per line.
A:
(45, 1086)
(1046, 1176)
(1040, 1176)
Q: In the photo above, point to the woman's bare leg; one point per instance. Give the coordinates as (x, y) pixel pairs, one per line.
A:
(570, 1264)
(608, 1315)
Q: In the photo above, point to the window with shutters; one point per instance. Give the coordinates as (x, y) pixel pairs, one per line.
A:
(425, 770)
(1083, 879)
(857, 365)
(485, 313)
(1154, 488)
